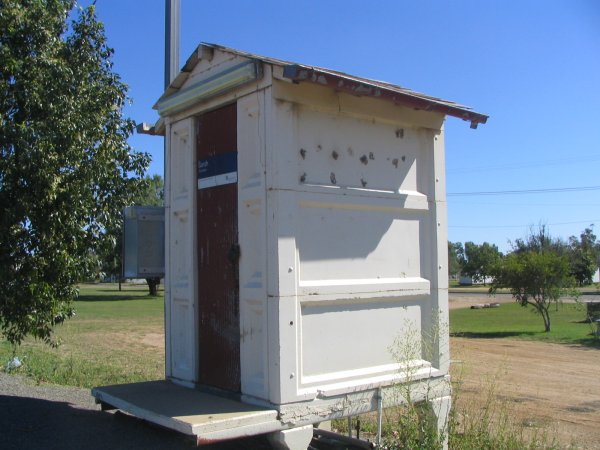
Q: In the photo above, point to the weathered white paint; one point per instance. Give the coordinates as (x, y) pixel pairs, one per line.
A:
(342, 219)
(253, 260)
(354, 217)
(180, 293)
(195, 413)
(342, 228)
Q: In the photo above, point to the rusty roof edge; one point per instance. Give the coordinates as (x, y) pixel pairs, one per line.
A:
(371, 88)
(350, 83)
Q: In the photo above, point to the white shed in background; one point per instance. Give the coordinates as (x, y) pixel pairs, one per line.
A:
(305, 239)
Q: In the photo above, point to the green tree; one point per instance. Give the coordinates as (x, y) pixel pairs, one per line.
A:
(478, 260)
(153, 193)
(583, 256)
(455, 258)
(66, 170)
(539, 240)
(536, 273)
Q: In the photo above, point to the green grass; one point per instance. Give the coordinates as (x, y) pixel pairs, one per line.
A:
(511, 320)
(113, 338)
(107, 343)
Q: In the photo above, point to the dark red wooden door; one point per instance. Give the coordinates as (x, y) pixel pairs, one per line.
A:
(218, 250)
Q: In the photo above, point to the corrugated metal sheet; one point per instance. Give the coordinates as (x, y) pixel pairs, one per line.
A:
(337, 80)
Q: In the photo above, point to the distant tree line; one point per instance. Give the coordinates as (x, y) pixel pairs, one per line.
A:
(477, 261)
(538, 270)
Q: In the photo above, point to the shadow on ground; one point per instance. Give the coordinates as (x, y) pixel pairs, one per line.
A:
(591, 342)
(35, 423)
(105, 298)
(492, 334)
(57, 425)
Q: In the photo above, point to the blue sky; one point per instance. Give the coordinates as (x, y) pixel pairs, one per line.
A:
(533, 66)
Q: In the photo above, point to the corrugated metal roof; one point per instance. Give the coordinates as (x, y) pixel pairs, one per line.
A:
(337, 80)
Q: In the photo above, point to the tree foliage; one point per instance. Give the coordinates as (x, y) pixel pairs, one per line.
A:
(478, 260)
(66, 170)
(153, 192)
(536, 272)
(584, 256)
(455, 258)
(583, 253)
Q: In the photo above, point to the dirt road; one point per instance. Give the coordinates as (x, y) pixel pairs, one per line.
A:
(545, 386)
(551, 386)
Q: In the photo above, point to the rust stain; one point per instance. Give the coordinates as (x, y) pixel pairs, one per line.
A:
(218, 269)
(200, 441)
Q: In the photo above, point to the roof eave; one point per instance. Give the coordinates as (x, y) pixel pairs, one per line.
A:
(298, 74)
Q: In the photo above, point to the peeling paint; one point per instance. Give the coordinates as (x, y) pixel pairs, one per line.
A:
(335, 155)
(364, 159)
(395, 162)
(303, 177)
(371, 156)
(363, 182)
(332, 178)
(400, 133)
(303, 153)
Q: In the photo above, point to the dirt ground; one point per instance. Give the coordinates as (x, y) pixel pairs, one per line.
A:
(544, 386)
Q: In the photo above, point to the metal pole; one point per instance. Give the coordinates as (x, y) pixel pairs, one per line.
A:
(379, 414)
(172, 15)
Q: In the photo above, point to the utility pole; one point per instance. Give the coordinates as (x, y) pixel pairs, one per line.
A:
(172, 15)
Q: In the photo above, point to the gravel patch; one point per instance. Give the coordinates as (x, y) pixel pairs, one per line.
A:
(66, 418)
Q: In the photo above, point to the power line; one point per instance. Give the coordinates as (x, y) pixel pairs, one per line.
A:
(525, 191)
(522, 226)
(527, 165)
(486, 203)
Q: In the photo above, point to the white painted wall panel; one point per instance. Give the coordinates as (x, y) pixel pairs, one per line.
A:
(181, 243)
(352, 152)
(354, 335)
(354, 227)
(252, 238)
(347, 244)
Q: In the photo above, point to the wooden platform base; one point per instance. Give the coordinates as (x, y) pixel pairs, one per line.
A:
(207, 417)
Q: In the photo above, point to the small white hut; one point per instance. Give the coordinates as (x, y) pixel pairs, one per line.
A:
(305, 238)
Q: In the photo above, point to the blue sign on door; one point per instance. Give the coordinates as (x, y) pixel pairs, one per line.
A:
(217, 170)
